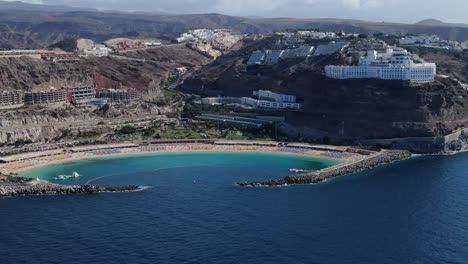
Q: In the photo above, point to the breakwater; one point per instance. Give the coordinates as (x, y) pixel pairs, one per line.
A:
(13, 186)
(371, 161)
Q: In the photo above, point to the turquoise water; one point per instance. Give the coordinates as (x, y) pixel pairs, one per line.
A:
(130, 169)
(414, 211)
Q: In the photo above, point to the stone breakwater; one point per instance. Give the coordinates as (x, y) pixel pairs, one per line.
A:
(371, 161)
(13, 186)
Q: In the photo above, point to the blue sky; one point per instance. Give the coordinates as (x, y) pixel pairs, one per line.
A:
(405, 11)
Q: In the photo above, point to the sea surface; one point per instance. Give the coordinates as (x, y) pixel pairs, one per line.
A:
(414, 211)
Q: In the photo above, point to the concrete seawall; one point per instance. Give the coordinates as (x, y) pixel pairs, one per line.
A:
(456, 141)
(371, 161)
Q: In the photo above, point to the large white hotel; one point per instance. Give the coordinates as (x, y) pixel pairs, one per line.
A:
(393, 64)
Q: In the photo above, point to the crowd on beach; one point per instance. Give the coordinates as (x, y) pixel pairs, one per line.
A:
(30, 163)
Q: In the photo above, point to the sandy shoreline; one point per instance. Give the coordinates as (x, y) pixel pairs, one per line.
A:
(34, 163)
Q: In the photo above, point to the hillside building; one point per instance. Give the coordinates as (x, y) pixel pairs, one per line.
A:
(57, 56)
(81, 94)
(117, 96)
(128, 45)
(221, 100)
(432, 42)
(266, 99)
(255, 103)
(53, 96)
(316, 34)
(423, 39)
(9, 99)
(393, 64)
(257, 57)
(152, 43)
(330, 48)
(97, 51)
(20, 53)
(269, 95)
(273, 56)
(303, 51)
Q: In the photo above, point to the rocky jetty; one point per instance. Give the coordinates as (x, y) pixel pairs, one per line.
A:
(374, 160)
(13, 186)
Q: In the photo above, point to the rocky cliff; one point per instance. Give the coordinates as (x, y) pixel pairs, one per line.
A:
(345, 109)
(142, 70)
(44, 125)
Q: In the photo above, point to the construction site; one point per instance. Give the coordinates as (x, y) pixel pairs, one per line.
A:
(53, 96)
(10, 99)
(119, 96)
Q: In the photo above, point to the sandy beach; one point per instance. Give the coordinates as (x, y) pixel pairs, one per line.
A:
(35, 160)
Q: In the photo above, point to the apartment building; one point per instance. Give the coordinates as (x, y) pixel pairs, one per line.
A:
(393, 64)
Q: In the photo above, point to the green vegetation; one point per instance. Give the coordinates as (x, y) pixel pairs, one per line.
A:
(366, 43)
(363, 36)
(127, 130)
(191, 110)
(158, 129)
(168, 97)
(389, 39)
(169, 94)
(21, 142)
(168, 83)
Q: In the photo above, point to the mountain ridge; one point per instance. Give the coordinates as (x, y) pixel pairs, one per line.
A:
(38, 26)
(436, 22)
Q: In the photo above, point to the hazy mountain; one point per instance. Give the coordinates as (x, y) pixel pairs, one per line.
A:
(30, 26)
(435, 22)
(17, 5)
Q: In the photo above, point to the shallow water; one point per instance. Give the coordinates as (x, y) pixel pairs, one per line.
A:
(415, 211)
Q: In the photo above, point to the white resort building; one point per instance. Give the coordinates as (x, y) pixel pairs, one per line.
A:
(264, 94)
(257, 57)
(255, 103)
(332, 47)
(394, 64)
(97, 50)
(411, 40)
(274, 56)
(433, 42)
(266, 100)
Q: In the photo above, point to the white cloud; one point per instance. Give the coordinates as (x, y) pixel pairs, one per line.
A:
(26, 1)
(374, 4)
(354, 4)
(376, 10)
(240, 5)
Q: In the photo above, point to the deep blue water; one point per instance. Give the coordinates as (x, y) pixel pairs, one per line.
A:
(415, 211)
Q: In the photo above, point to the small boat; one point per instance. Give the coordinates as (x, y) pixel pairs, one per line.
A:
(66, 177)
(297, 170)
(62, 177)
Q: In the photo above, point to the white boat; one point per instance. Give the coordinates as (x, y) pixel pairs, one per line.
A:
(297, 170)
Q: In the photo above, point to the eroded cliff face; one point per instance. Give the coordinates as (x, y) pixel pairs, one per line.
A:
(37, 125)
(44, 125)
(344, 108)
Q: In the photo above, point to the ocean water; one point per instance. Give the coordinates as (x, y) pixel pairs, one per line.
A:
(415, 211)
